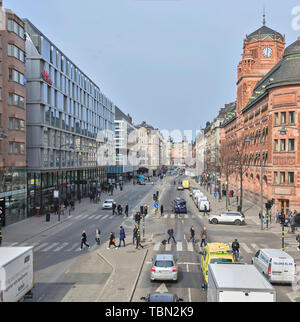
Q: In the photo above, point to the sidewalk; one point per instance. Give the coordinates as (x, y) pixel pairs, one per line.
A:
(25, 230)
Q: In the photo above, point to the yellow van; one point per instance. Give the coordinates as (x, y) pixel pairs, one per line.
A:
(215, 253)
(186, 184)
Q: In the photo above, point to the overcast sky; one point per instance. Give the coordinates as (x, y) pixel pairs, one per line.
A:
(171, 63)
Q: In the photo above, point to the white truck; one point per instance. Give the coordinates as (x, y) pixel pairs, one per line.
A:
(16, 273)
(238, 283)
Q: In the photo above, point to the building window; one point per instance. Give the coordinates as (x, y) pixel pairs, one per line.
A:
(275, 177)
(276, 146)
(282, 145)
(16, 124)
(282, 177)
(15, 76)
(291, 178)
(16, 148)
(16, 28)
(16, 52)
(14, 99)
(291, 145)
(292, 119)
(283, 118)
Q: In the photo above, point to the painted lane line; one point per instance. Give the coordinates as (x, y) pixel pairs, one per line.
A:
(61, 247)
(172, 216)
(246, 248)
(179, 247)
(50, 247)
(156, 247)
(40, 247)
(92, 217)
(189, 290)
(14, 244)
(72, 248)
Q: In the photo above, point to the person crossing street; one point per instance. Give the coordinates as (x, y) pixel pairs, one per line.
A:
(171, 235)
(135, 234)
(84, 240)
(126, 210)
(98, 232)
(122, 236)
(112, 240)
(192, 235)
(203, 237)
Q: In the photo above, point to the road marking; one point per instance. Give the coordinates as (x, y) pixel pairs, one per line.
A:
(168, 247)
(61, 247)
(179, 247)
(246, 248)
(264, 246)
(165, 216)
(84, 216)
(172, 216)
(40, 247)
(78, 217)
(98, 217)
(50, 247)
(190, 247)
(14, 244)
(189, 290)
(255, 247)
(92, 217)
(72, 248)
(186, 217)
(156, 247)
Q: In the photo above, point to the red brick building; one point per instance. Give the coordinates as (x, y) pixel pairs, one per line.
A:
(268, 98)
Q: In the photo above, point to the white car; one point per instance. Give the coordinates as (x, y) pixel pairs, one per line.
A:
(236, 218)
(180, 188)
(108, 204)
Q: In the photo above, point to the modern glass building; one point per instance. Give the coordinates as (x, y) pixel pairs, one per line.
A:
(65, 112)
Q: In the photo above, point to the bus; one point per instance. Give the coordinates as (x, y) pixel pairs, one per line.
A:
(186, 184)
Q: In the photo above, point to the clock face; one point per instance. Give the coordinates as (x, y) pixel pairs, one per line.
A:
(267, 52)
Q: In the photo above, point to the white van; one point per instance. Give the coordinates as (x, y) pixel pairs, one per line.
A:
(276, 265)
(202, 204)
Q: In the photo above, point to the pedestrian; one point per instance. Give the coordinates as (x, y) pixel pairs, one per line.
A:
(203, 237)
(98, 232)
(205, 210)
(277, 217)
(62, 209)
(298, 240)
(0, 233)
(114, 209)
(84, 240)
(161, 210)
(126, 210)
(135, 234)
(146, 210)
(122, 236)
(171, 235)
(112, 240)
(292, 224)
(192, 235)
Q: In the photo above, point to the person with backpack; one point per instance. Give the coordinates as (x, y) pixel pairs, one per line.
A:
(236, 249)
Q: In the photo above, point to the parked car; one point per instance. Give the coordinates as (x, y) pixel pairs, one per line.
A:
(180, 188)
(108, 204)
(162, 297)
(164, 268)
(236, 218)
(276, 265)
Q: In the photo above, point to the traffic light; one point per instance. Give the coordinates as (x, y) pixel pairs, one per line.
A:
(138, 217)
(282, 219)
(154, 197)
(142, 209)
(269, 205)
(146, 210)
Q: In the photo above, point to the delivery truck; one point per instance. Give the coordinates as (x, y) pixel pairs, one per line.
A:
(16, 273)
(238, 283)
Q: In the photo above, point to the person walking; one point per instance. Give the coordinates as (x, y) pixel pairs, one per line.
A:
(205, 210)
(98, 232)
(192, 235)
(298, 240)
(135, 234)
(114, 209)
(112, 240)
(122, 236)
(126, 210)
(161, 210)
(84, 240)
(203, 237)
(171, 235)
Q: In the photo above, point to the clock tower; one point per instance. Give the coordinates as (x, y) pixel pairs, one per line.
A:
(263, 49)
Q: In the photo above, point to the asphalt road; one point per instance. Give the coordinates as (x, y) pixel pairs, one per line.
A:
(58, 249)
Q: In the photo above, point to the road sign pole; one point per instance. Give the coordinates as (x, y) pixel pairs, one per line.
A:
(282, 238)
(143, 227)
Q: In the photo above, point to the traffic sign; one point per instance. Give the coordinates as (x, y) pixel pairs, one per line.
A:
(156, 205)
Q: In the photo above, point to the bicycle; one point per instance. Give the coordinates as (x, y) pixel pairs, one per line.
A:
(236, 255)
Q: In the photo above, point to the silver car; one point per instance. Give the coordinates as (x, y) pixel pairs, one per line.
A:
(164, 268)
(236, 218)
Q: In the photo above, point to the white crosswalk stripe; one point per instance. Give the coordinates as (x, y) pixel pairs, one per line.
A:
(106, 216)
(14, 244)
(156, 247)
(255, 247)
(190, 247)
(172, 216)
(168, 247)
(246, 248)
(92, 217)
(61, 247)
(186, 216)
(40, 247)
(179, 247)
(50, 247)
(165, 216)
(71, 248)
(98, 217)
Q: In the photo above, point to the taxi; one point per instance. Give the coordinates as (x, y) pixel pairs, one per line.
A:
(215, 253)
(186, 184)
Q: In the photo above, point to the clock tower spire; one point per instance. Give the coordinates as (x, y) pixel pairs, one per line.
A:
(263, 49)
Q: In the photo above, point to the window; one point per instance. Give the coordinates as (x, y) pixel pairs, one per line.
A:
(16, 148)
(16, 28)
(14, 99)
(15, 76)
(276, 146)
(282, 145)
(282, 177)
(283, 118)
(16, 124)
(292, 119)
(16, 52)
(291, 145)
(275, 177)
(291, 178)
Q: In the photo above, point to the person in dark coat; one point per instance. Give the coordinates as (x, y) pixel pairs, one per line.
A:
(126, 210)
(112, 240)
(192, 235)
(161, 210)
(84, 240)
(171, 235)
(135, 234)
(122, 236)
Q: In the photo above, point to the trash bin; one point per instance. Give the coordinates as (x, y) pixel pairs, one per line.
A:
(48, 217)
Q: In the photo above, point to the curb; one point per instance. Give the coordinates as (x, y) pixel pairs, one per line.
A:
(138, 277)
